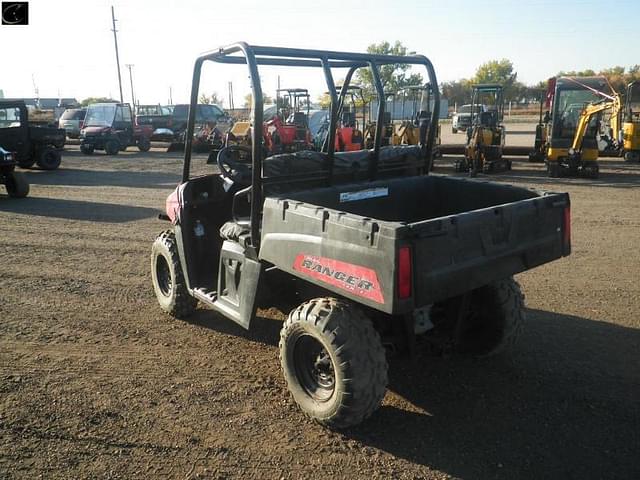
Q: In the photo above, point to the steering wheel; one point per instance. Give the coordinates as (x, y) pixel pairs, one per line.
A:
(234, 163)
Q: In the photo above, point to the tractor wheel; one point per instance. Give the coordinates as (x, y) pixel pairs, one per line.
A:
(168, 281)
(593, 170)
(112, 147)
(17, 185)
(86, 149)
(494, 319)
(631, 156)
(144, 144)
(333, 362)
(553, 170)
(49, 158)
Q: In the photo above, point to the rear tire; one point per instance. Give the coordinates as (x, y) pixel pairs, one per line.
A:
(166, 274)
(333, 362)
(112, 147)
(493, 321)
(17, 185)
(49, 159)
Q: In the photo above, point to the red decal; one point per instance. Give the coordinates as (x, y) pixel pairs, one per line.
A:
(360, 281)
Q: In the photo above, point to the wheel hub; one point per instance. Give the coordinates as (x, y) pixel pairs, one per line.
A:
(314, 368)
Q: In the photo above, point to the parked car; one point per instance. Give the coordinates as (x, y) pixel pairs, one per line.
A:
(154, 116)
(204, 114)
(461, 119)
(71, 120)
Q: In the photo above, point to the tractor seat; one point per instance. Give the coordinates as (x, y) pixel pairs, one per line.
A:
(233, 231)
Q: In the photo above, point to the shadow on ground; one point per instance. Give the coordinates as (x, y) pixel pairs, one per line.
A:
(565, 405)
(75, 177)
(76, 209)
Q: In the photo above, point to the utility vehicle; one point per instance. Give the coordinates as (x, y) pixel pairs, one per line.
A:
(110, 127)
(373, 250)
(31, 144)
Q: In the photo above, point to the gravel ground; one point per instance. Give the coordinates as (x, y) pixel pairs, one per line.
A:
(95, 382)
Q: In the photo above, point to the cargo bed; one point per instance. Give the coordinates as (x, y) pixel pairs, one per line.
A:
(452, 234)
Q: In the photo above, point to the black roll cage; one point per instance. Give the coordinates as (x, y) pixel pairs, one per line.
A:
(252, 55)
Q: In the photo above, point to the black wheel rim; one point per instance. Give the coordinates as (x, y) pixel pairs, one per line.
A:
(163, 275)
(314, 368)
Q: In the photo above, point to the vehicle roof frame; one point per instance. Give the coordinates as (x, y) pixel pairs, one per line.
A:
(253, 55)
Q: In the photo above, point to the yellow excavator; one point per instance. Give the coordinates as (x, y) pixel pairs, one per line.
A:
(416, 114)
(486, 135)
(571, 147)
(630, 144)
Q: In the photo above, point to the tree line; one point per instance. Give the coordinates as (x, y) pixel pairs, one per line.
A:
(396, 76)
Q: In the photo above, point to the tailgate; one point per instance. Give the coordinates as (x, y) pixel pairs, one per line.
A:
(454, 254)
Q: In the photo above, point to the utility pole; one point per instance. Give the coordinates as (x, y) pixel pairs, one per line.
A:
(170, 96)
(231, 107)
(115, 40)
(133, 97)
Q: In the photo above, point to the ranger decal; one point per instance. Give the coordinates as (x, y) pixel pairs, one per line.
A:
(360, 281)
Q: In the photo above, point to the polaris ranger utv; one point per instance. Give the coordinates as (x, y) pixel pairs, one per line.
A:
(373, 249)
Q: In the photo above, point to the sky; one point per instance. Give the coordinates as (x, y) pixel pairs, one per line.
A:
(67, 50)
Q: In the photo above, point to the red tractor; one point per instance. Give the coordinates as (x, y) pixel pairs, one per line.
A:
(349, 134)
(288, 130)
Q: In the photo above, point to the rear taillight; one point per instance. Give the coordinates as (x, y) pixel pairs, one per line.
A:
(566, 230)
(404, 272)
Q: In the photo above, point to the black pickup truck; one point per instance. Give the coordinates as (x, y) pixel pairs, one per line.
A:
(32, 144)
(372, 249)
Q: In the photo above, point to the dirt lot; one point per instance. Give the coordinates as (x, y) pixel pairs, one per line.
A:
(95, 382)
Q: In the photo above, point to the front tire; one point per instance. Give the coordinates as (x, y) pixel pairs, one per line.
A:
(87, 149)
(17, 185)
(144, 144)
(333, 362)
(49, 159)
(112, 147)
(168, 281)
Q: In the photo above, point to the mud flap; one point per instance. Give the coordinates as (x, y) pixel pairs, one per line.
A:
(238, 280)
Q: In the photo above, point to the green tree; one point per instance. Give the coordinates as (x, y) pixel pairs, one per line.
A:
(393, 76)
(496, 71)
(90, 100)
(501, 72)
(458, 92)
(214, 98)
